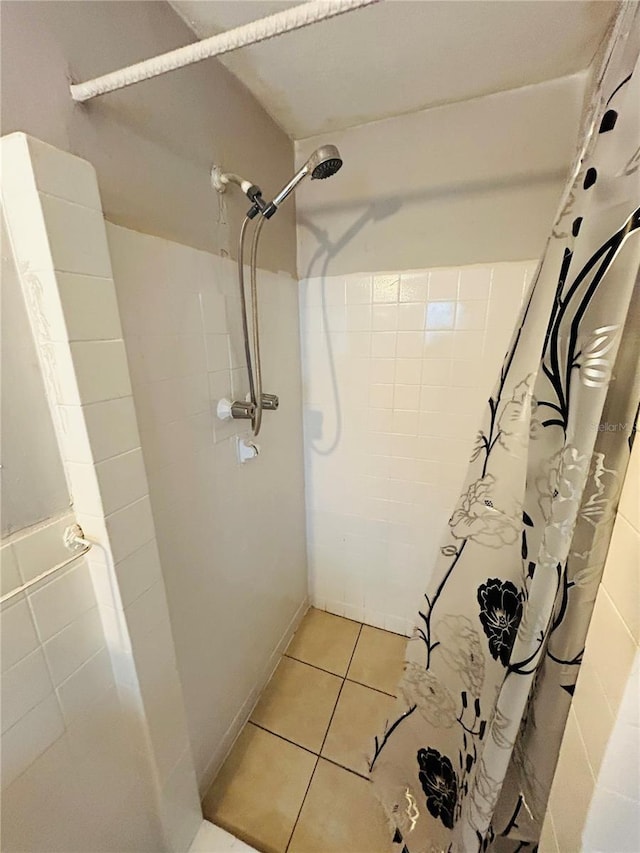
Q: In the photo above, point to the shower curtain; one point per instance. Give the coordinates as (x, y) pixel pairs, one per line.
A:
(467, 762)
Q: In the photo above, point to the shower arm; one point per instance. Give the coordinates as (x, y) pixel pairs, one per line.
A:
(220, 181)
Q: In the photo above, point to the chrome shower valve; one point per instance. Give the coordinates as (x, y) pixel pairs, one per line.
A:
(236, 409)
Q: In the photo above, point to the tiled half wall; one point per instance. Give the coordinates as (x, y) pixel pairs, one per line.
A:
(396, 370)
(231, 536)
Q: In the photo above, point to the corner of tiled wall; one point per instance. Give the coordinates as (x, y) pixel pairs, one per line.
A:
(595, 798)
(55, 220)
(396, 369)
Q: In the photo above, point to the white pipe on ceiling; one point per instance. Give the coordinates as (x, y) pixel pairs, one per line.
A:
(252, 33)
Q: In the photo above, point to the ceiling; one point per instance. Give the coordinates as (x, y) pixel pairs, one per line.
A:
(400, 56)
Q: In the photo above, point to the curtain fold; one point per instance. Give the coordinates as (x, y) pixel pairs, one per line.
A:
(467, 762)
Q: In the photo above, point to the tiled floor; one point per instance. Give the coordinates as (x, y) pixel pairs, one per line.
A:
(296, 777)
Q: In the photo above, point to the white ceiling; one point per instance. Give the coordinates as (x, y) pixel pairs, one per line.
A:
(400, 56)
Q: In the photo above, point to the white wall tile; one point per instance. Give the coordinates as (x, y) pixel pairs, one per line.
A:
(57, 601)
(206, 507)
(180, 804)
(100, 430)
(122, 480)
(61, 174)
(443, 284)
(83, 687)
(130, 528)
(358, 290)
(89, 306)
(73, 645)
(621, 579)
(475, 283)
(440, 315)
(389, 465)
(76, 237)
(409, 344)
(24, 686)
(606, 702)
(411, 316)
(612, 670)
(217, 352)
(138, 572)
(9, 575)
(384, 318)
(29, 737)
(101, 371)
(17, 632)
(613, 824)
(40, 547)
(358, 317)
(414, 286)
(471, 314)
(386, 288)
(630, 499)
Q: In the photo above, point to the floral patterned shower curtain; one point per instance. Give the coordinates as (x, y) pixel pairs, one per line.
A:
(468, 761)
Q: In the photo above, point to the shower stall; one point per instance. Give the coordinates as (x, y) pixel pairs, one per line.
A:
(264, 392)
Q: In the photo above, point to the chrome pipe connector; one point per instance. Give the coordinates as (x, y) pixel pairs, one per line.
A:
(236, 410)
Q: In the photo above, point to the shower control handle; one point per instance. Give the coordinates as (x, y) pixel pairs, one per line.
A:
(270, 402)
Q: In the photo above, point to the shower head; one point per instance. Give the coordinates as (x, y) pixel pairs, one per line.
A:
(324, 162)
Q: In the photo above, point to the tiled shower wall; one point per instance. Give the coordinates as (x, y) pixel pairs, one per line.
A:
(231, 537)
(396, 370)
(595, 799)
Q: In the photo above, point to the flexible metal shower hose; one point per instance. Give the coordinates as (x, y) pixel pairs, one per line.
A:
(257, 419)
(254, 365)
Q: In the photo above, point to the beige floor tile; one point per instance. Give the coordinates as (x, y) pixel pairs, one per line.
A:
(378, 660)
(340, 815)
(258, 793)
(324, 640)
(360, 716)
(298, 703)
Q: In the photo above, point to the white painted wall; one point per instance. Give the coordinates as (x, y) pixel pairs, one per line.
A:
(396, 369)
(471, 182)
(231, 537)
(152, 145)
(595, 799)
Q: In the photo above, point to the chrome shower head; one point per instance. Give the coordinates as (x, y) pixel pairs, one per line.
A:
(324, 162)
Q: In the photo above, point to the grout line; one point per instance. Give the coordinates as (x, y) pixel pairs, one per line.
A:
(344, 678)
(282, 737)
(369, 687)
(348, 769)
(314, 666)
(304, 799)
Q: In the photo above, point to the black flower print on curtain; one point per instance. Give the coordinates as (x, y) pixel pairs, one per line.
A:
(467, 762)
(500, 613)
